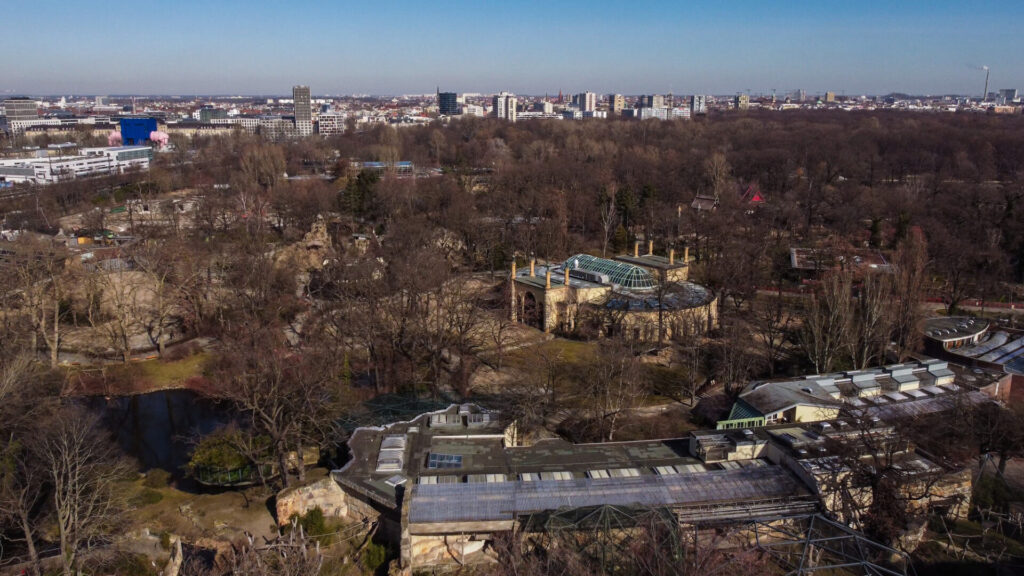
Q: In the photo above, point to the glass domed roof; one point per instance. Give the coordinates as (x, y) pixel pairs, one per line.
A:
(626, 276)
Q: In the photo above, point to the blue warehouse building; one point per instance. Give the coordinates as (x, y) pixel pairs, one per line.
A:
(136, 131)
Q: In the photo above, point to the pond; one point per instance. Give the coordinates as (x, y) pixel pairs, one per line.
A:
(159, 428)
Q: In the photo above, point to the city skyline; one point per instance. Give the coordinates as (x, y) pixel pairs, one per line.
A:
(233, 47)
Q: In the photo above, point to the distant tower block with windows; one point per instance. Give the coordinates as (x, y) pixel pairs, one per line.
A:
(448, 104)
(587, 101)
(303, 110)
(698, 104)
(645, 297)
(505, 106)
(616, 104)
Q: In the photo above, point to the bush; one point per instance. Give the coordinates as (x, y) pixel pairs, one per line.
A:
(314, 526)
(217, 451)
(165, 540)
(374, 556)
(992, 492)
(157, 478)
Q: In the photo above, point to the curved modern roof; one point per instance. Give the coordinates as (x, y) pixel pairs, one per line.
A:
(626, 276)
(953, 328)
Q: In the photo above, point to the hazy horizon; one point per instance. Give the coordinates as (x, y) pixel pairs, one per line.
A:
(263, 48)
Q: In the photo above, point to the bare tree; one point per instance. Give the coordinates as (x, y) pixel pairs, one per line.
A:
(733, 359)
(500, 332)
(156, 314)
(287, 555)
(39, 267)
(292, 396)
(908, 291)
(870, 321)
(609, 219)
(25, 404)
(689, 337)
(83, 467)
(613, 385)
(771, 321)
(826, 321)
(120, 288)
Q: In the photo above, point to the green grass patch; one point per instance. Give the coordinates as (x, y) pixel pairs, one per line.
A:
(169, 374)
(146, 497)
(559, 349)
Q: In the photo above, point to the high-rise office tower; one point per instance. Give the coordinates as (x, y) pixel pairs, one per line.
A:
(587, 101)
(505, 106)
(448, 104)
(303, 110)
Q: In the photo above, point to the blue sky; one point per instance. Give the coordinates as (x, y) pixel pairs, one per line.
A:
(266, 46)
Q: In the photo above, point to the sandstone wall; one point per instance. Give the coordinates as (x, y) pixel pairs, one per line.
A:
(324, 493)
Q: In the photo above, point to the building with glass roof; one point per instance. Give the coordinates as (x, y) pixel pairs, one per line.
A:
(644, 297)
(618, 274)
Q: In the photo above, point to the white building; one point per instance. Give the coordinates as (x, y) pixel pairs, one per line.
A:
(647, 113)
(505, 106)
(332, 122)
(587, 101)
(699, 104)
(91, 162)
(248, 123)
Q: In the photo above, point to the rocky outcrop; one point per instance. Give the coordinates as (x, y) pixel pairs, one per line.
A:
(311, 252)
(324, 493)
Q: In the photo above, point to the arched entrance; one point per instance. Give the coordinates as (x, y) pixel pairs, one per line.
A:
(533, 311)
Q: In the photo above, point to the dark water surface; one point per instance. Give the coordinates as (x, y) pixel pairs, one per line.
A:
(159, 428)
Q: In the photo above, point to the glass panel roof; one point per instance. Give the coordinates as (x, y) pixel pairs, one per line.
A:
(625, 275)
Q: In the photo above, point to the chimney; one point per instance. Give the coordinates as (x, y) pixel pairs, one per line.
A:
(547, 283)
(671, 258)
(636, 249)
(650, 248)
(686, 255)
(567, 276)
(533, 263)
(513, 269)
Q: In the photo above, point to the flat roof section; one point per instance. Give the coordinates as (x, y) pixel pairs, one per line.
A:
(442, 503)
(954, 328)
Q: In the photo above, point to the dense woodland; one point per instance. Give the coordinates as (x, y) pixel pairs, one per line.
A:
(298, 348)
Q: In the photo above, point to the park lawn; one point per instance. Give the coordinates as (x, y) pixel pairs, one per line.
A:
(163, 375)
(560, 349)
(137, 377)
